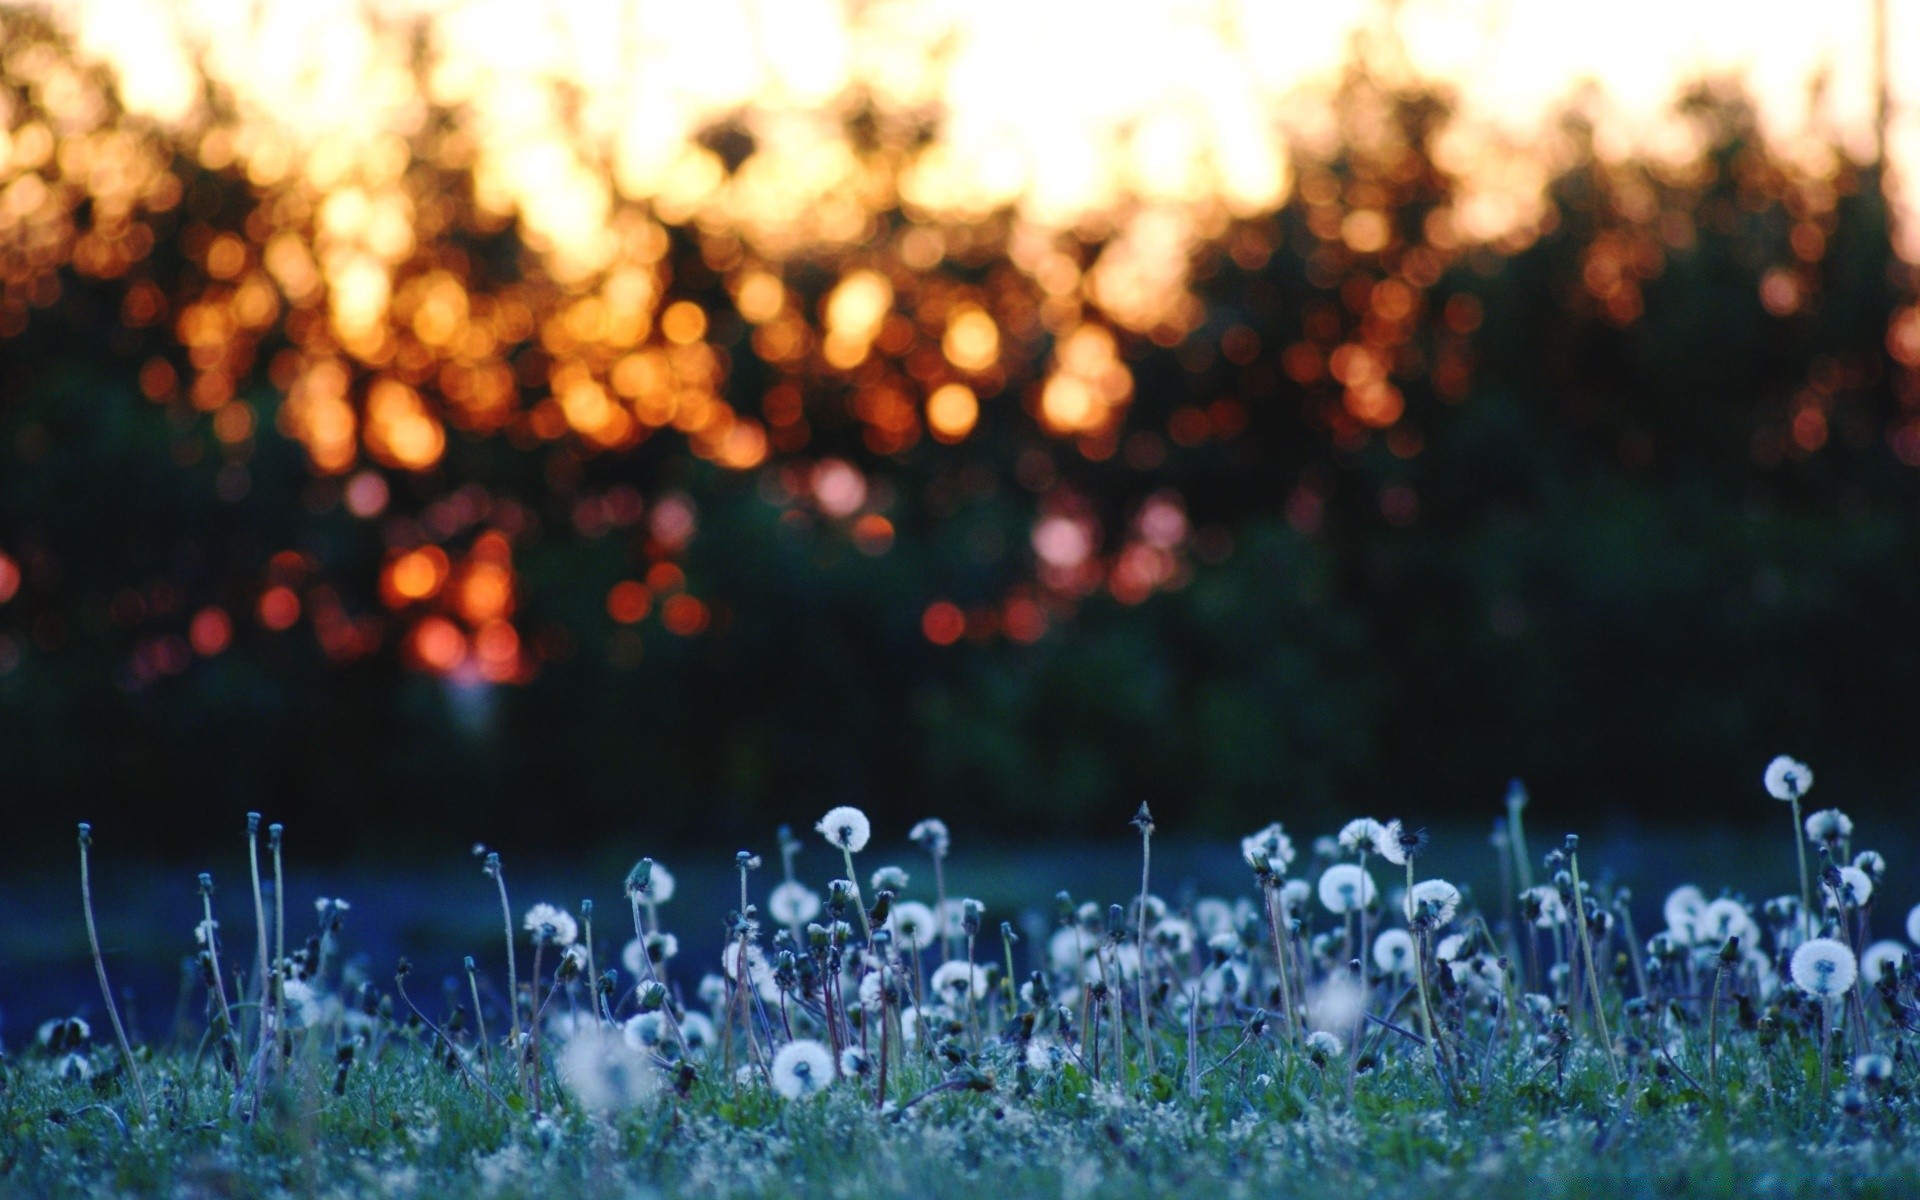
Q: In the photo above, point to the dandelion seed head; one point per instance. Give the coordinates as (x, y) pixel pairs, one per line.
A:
(914, 924)
(931, 835)
(1437, 898)
(854, 1063)
(1854, 889)
(1873, 1069)
(793, 903)
(803, 1067)
(1880, 958)
(1361, 835)
(1324, 1046)
(1787, 778)
(1828, 825)
(552, 925)
(846, 828)
(1268, 851)
(1872, 863)
(604, 1071)
(1824, 967)
(1344, 887)
(955, 980)
(1393, 952)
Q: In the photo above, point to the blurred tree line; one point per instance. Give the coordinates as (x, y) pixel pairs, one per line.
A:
(1647, 519)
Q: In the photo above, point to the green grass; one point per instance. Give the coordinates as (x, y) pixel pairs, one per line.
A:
(999, 1098)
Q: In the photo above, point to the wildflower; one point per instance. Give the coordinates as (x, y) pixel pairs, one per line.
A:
(955, 916)
(1787, 778)
(1824, 967)
(1828, 826)
(914, 924)
(1397, 843)
(1723, 919)
(956, 979)
(1345, 887)
(1880, 958)
(847, 828)
(551, 925)
(931, 835)
(890, 879)
(793, 903)
(1361, 835)
(1682, 910)
(1393, 952)
(1437, 899)
(804, 1067)
(1268, 851)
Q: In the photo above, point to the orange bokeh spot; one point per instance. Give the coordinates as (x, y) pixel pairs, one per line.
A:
(873, 533)
(943, 623)
(415, 575)
(497, 647)
(211, 631)
(279, 608)
(486, 592)
(684, 615)
(9, 579)
(629, 601)
(438, 644)
(1024, 620)
(665, 577)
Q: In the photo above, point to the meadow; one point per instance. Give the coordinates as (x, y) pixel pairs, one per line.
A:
(1332, 1020)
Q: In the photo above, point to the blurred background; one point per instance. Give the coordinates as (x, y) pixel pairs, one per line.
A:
(599, 427)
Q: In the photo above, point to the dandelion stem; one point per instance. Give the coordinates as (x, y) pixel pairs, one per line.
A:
(100, 969)
(1145, 822)
(1593, 974)
(1806, 890)
(276, 834)
(513, 972)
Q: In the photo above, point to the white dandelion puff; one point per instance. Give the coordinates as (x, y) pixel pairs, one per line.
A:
(1361, 835)
(914, 925)
(1393, 952)
(1323, 1045)
(552, 925)
(793, 903)
(1880, 958)
(1828, 825)
(1344, 887)
(931, 835)
(1436, 897)
(1824, 967)
(954, 980)
(1854, 889)
(1269, 850)
(1787, 778)
(1913, 924)
(605, 1071)
(846, 828)
(804, 1067)
(1682, 911)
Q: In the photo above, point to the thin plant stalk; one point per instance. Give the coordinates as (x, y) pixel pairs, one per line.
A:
(100, 969)
(1593, 974)
(1145, 822)
(513, 972)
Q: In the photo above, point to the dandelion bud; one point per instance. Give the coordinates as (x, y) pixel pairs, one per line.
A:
(404, 969)
(253, 823)
(607, 984)
(586, 909)
(206, 884)
(840, 893)
(1143, 820)
(273, 834)
(492, 864)
(1038, 994)
(1730, 953)
(469, 964)
(1007, 934)
(1769, 1033)
(640, 878)
(817, 936)
(1853, 1101)
(651, 995)
(86, 836)
(1063, 905)
(882, 905)
(1116, 921)
(747, 860)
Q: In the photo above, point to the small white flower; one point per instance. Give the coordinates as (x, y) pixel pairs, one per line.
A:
(551, 924)
(952, 981)
(846, 827)
(793, 903)
(1269, 849)
(1824, 967)
(1880, 958)
(914, 924)
(931, 836)
(1393, 952)
(1361, 835)
(1788, 778)
(1829, 825)
(1345, 887)
(804, 1067)
(1439, 898)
